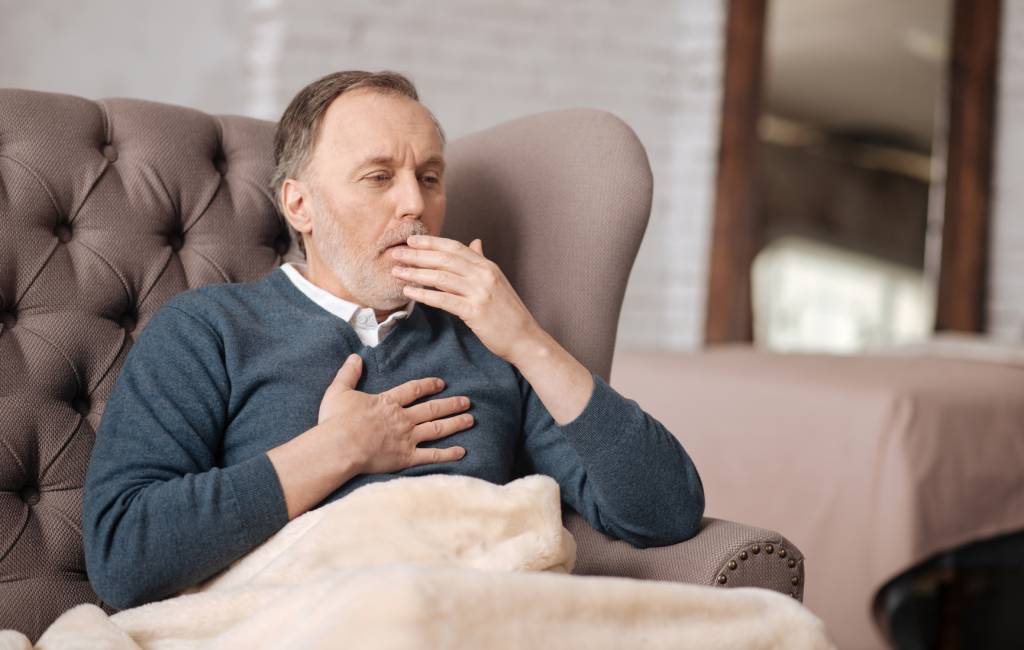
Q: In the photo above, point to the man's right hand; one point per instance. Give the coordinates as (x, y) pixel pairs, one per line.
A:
(380, 432)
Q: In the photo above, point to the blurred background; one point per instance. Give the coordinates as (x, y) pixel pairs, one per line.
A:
(830, 176)
(848, 167)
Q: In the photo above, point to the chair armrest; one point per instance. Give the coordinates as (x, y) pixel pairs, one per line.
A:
(722, 554)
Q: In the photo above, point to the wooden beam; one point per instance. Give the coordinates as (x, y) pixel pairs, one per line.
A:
(735, 233)
(972, 90)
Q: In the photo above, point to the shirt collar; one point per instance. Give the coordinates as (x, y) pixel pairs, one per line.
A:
(340, 307)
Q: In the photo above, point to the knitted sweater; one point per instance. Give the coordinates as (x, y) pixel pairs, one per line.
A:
(179, 484)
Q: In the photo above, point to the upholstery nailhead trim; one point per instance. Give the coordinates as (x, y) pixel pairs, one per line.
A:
(770, 549)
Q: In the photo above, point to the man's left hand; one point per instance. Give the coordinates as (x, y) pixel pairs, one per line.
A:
(470, 286)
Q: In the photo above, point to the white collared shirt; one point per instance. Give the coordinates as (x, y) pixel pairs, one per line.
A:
(362, 319)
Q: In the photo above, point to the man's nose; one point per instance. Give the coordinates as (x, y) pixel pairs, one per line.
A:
(410, 200)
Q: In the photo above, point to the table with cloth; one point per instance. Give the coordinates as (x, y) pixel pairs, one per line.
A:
(870, 463)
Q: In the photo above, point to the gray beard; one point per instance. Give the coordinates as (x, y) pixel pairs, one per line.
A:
(363, 271)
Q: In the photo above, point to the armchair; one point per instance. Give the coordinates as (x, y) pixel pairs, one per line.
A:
(110, 207)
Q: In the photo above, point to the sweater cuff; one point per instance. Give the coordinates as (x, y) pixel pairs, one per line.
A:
(596, 428)
(259, 499)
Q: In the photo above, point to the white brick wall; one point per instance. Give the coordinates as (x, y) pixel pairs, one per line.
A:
(1006, 266)
(123, 48)
(656, 64)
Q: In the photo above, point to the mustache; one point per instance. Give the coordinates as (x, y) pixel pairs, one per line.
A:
(399, 236)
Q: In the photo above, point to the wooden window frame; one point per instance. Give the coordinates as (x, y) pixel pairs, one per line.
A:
(736, 229)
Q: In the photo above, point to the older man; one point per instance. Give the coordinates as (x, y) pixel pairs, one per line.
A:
(231, 416)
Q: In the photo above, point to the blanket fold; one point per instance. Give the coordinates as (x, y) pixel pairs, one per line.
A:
(435, 562)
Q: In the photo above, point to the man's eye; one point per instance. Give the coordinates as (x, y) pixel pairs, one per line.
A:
(431, 180)
(380, 178)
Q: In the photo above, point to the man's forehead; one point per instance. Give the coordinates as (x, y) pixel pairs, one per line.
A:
(373, 127)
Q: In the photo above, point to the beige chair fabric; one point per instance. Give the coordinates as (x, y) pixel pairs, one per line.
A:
(108, 208)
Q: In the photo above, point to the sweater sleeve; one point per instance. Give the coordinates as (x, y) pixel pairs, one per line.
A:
(158, 514)
(617, 466)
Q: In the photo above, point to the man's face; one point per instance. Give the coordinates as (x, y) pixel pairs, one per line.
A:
(376, 177)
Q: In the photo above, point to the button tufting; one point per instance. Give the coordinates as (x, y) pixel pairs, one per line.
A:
(176, 241)
(109, 152)
(282, 244)
(81, 404)
(29, 494)
(127, 322)
(63, 232)
(8, 318)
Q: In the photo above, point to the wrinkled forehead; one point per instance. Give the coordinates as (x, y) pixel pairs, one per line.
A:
(368, 123)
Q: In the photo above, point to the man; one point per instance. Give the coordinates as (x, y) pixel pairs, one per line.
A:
(231, 416)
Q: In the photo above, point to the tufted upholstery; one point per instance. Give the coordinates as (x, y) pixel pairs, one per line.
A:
(108, 208)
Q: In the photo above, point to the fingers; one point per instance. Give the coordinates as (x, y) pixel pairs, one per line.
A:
(427, 242)
(410, 391)
(350, 371)
(437, 455)
(451, 282)
(478, 246)
(437, 408)
(456, 305)
(440, 428)
(443, 260)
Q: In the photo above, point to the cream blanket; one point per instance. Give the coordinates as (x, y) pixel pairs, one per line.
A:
(435, 562)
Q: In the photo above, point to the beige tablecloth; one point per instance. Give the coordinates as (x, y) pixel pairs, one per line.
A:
(868, 464)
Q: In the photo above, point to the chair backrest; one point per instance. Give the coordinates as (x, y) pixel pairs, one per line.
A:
(110, 207)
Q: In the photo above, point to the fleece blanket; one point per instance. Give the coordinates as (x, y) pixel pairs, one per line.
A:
(435, 562)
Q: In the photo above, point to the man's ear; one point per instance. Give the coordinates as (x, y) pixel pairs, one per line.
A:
(297, 205)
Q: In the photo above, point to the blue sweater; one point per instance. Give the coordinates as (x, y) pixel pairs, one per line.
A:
(179, 484)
